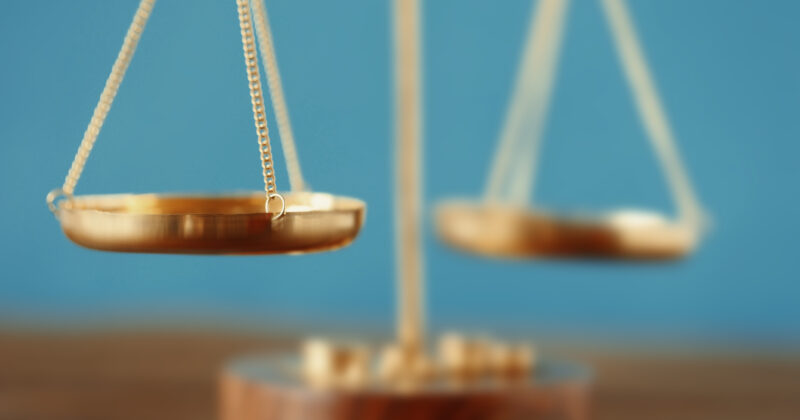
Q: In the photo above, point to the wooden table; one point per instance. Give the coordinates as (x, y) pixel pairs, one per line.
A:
(173, 375)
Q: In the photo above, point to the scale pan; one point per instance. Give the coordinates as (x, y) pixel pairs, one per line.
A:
(515, 232)
(215, 224)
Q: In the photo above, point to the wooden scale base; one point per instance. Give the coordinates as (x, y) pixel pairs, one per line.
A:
(269, 388)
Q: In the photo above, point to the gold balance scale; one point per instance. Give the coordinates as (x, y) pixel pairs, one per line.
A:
(469, 377)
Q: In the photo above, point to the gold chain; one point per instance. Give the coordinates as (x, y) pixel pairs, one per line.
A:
(106, 99)
(264, 36)
(118, 73)
(256, 96)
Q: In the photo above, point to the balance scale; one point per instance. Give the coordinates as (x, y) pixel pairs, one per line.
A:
(466, 377)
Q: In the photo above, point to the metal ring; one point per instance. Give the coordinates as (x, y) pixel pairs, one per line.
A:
(283, 205)
(53, 196)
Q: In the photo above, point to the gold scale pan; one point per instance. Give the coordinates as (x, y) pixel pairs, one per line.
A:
(518, 232)
(239, 223)
(223, 224)
(502, 225)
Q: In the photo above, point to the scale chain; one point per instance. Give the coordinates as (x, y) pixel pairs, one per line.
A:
(267, 48)
(114, 80)
(104, 103)
(513, 169)
(257, 100)
(651, 112)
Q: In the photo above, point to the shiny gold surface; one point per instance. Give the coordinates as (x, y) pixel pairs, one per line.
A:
(216, 224)
(515, 232)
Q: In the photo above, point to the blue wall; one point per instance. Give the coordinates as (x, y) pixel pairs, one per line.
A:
(729, 72)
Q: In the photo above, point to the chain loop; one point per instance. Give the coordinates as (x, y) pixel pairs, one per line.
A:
(53, 196)
(283, 205)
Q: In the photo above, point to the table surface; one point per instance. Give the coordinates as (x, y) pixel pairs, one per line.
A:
(173, 375)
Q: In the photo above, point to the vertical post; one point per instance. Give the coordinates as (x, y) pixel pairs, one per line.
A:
(408, 168)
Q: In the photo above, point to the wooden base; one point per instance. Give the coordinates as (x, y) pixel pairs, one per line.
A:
(263, 388)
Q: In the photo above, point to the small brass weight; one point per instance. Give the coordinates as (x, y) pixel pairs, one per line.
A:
(459, 362)
(464, 377)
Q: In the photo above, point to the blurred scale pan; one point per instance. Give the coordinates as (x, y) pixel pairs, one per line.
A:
(506, 223)
(518, 232)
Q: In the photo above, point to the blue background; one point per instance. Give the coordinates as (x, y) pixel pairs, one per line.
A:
(729, 72)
